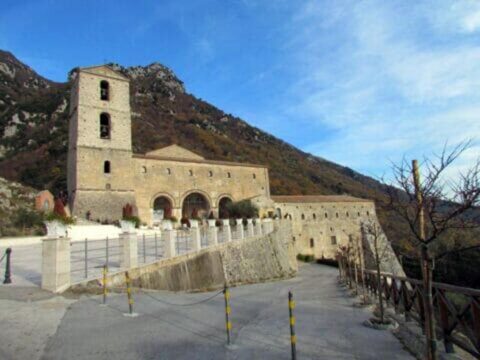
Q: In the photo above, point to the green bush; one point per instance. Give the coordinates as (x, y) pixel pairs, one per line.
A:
(134, 219)
(242, 209)
(305, 258)
(67, 220)
(27, 219)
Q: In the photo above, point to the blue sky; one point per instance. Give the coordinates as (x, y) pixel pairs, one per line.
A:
(361, 83)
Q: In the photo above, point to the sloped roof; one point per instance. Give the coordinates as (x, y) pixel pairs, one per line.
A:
(316, 199)
(104, 70)
(176, 152)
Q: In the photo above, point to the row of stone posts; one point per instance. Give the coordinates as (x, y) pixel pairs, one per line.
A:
(56, 250)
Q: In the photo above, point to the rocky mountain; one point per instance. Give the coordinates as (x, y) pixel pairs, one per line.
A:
(16, 209)
(34, 123)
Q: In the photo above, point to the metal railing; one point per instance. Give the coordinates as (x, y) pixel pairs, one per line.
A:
(183, 242)
(150, 248)
(457, 309)
(221, 235)
(203, 236)
(236, 232)
(88, 257)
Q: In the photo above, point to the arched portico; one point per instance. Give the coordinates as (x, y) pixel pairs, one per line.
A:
(223, 202)
(195, 205)
(162, 207)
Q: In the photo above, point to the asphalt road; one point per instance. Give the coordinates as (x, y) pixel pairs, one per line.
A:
(327, 325)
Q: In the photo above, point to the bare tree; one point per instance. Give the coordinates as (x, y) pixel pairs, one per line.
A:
(371, 230)
(432, 207)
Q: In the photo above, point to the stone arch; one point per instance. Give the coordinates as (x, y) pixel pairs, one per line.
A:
(162, 207)
(164, 194)
(223, 201)
(196, 203)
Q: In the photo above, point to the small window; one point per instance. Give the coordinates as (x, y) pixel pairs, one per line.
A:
(254, 176)
(348, 215)
(229, 175)
(108, 186)
(190, 172)
(350, 238)
(144, 169)
(104, 90)
(333, 240)
(106, 167)
(104, 126)
(331, 228)
(314, 216)
(303, 216)
(358, 213)
(312, 243)
(210, 173)
(336, 215)
(368, 214)
(294, 239)
(169, 171)
(326, 215)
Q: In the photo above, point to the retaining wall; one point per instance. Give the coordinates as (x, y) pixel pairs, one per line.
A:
(255, 260)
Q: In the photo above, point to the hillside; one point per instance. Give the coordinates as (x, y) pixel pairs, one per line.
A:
(34, 122)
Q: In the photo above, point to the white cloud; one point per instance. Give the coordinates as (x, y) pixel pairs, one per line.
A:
(399, 79)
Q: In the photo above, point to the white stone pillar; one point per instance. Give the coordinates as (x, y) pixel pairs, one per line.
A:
(129, 250)
(227, 231)
(250, 230)
(169, 246)
(265, 226)
(258, 225)
(276, 224)
(212, 233)
(195, 232)
(56, 264)
(239, 229)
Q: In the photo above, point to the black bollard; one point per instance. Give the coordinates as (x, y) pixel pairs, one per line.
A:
(8, 273)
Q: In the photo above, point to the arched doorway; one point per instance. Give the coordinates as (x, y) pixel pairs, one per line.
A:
(162, 209)
(194, 206)
(223, 207)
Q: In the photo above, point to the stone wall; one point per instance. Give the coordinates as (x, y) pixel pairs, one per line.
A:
(239, 262)
(316, 223)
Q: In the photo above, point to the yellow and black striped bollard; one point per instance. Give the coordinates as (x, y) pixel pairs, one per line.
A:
(129, 293)
(226, 293)
(105, 270)
(293, 338)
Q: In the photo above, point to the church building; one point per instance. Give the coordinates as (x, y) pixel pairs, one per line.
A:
(104, 175)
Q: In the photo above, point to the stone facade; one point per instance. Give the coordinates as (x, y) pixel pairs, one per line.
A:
(172, 173)
(323, 223)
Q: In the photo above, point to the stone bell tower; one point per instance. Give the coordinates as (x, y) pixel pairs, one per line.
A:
(100, 144)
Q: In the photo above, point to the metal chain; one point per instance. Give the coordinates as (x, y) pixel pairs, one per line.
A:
(3, 257)
(189, 304)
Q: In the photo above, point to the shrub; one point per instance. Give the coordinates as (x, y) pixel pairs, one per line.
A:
(27, 219)
(305, 258)
(56, 217)
(242, 209)
(134, 219)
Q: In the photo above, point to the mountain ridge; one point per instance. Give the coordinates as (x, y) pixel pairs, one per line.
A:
(34, 133)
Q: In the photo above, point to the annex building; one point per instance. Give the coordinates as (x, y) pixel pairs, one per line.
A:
(104, 175)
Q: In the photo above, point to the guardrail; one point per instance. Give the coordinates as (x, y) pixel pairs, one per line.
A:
(457, 309)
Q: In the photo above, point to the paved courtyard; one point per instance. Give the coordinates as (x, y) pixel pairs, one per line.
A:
(37, 325)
